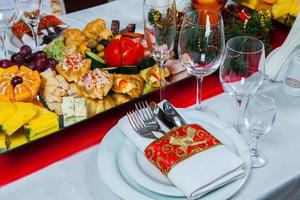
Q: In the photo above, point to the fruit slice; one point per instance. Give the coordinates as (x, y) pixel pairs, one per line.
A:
(43, 121)
(6, 110)
(24, 112)
(2, 141)
(42, 134)
(16, 139)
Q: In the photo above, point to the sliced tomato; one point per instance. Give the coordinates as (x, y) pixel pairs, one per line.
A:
(112, 53)
(123, 51)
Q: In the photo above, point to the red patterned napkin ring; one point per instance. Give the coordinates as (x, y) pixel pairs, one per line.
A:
(179, 144)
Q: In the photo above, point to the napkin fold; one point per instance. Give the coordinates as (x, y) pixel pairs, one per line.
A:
(276, 64)
(200, 173)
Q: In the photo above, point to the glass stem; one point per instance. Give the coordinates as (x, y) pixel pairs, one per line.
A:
(34, 30)
(199, 80)
(253, 148)
(238, 113)
(162, 82)
(2, 40)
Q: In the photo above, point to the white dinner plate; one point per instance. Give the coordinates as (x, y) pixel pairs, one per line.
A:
(125, 184)
(13, 43)
(147, 175)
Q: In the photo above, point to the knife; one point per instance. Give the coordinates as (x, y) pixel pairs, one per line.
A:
(172, 114)
(159, 113)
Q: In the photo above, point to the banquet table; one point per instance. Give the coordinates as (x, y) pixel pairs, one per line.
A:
(64, 166)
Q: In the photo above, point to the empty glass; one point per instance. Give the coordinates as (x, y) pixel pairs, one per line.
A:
(201, 46)
(30, 13)
(242, 71)
(260, 115)
(7, 14)
(160, 33)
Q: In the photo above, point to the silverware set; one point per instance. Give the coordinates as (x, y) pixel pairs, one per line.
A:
(144, 119)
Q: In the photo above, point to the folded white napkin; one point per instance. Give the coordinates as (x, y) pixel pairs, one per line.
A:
(276, 61)
(200, 173)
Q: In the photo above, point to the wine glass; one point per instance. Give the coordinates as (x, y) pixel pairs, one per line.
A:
(160, 33)
(260, 115)
(201, 47)
(30, 13)
(7, 13)
(242, 71)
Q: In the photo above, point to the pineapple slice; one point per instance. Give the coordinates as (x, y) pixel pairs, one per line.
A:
(6, 110)
(24, 112)
(42, 134)
(2, 141)
(43, 121)
(16, 139)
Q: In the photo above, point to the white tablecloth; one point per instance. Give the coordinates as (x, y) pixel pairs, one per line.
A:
(77, 177)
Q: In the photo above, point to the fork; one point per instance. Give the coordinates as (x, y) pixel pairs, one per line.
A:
(148, 117)
(139, 126)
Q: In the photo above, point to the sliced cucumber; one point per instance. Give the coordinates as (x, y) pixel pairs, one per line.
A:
(146, 62)
(129, 69)
(112, 70)
(97, 62)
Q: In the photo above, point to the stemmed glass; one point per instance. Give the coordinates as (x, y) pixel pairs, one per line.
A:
(30, 13)
(260, 115)
(242, 71)
(201, 46)
(7, 15)
(160, 33)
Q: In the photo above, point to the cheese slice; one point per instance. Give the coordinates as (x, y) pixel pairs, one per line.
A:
(67, 107)
(80, 107)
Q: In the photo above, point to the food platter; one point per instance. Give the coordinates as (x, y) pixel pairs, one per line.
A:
(57, 88)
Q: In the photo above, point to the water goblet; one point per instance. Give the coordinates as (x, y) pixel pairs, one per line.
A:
(7, 13)
(242, 71)
(30, 13)
(260, 115)
(160, 33)
(201, 47)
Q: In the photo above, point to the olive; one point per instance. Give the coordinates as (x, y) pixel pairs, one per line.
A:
(100, 48)
(99, 38)
(104, 42)
(110, 37)
(92, 43)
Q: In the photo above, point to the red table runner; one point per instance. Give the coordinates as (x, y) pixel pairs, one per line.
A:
(35, 156)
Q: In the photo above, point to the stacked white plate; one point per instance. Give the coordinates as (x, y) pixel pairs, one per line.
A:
(131, 176)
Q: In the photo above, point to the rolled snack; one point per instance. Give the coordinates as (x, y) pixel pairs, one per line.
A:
(115, 26)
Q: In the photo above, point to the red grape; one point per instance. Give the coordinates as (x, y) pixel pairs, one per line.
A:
(52, 64)
(41, 64)
(39, 54)
(16, 80)
(25, 50)
(5, 63)
(17, 58)
(28, 58)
